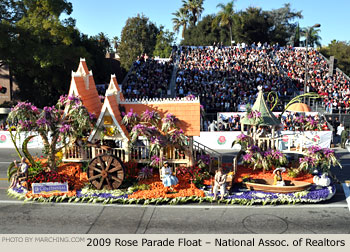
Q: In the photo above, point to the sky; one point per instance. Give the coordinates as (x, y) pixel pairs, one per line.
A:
(109, 16)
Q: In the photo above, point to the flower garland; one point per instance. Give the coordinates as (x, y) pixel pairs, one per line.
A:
(313, 195)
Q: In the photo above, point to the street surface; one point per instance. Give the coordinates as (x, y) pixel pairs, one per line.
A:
(36, 218)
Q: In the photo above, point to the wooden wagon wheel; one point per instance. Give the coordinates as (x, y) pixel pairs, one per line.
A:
(106, 171)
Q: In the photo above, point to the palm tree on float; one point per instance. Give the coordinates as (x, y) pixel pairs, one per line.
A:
(225, 16)
(180, 20)
(313, 36)
(195, 7)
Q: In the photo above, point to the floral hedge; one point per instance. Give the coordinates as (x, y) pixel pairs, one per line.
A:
(313, 195)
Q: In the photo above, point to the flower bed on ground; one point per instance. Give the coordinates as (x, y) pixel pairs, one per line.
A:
(152, 191)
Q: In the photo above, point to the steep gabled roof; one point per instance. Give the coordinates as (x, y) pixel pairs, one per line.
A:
(110, 104)
(267, 117)
(83, 85)
(113, 85)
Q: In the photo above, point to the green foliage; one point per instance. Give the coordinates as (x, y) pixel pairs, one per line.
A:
(11, 170)
(164, 43)
(313, 38)
(25, 150)
(282, 25)
(139, 187)
(35, 169)
(139, 36)
(341, 51)
(252, 25)
(205, 33)
(85, 166)
(41, 48)
(180, 20)
(225, 17)
(293, 173)
(194, 9)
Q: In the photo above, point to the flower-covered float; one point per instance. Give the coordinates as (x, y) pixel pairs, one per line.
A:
(118, 158)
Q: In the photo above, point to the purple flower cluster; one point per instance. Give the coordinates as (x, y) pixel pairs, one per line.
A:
(190, 97)
(131, 114)
(328, 152)
(26, 106)
(242, 137)
(273, 154)
(248, 157)
(42, 122)
(307, 159)
(65, 128)
(146, 172)
(74, 99)
(155, 160)
(159, 140)
(253, 114)
(148, 116)
(314, 149)
(26, 124)
(62, 99)
(92, 116)
(176, 135)
(204, 159)
(169, 118)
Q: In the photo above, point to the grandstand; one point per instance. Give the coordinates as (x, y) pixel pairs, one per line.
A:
(226, 78)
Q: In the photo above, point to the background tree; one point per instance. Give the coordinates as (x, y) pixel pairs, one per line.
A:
(252, 25)
(115, 43)
(163, 47)
(180, 20)
(195, 8)
(139, 36)
(225, 17)
(313, 37)
(204, 33)
(103, 41)
(295, 39)
(341, 51)
(42, 49)
(282, 25)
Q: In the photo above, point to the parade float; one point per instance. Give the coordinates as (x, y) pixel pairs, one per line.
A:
(113, 151)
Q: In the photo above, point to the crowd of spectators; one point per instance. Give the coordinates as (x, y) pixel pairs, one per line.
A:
(334, 88)
(289, 121)
(225, 77)
(149, 78)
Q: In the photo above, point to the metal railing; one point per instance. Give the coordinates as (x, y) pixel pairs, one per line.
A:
(200, 149)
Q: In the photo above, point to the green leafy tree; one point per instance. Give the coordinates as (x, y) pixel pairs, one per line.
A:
(181, 19)
(341, 51)
(314, 39)
(225, 17)
(251, 25)
(139, 36)
(282, 24)
(195, 8)
(296, 37)
(204, 33)
(42, 49)
(163, 47)
(103, 41)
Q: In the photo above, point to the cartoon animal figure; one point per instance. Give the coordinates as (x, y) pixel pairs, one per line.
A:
(322, 180)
